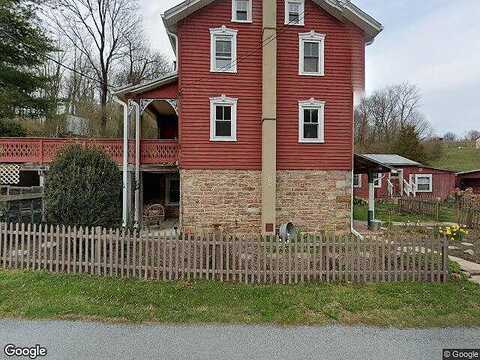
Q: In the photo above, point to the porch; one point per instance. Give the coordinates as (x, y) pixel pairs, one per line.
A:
(42, 151)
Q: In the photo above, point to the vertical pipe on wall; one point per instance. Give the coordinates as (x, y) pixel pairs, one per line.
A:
(269, 117)
(125, 162)
(371, 199)
(137, 163)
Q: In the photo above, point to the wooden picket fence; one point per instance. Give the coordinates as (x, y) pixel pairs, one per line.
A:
(469, 215)
(161, 256)
(430, 207)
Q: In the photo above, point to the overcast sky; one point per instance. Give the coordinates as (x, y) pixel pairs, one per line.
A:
(432, 43)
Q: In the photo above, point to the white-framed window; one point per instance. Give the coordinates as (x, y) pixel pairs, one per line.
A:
(223, 119)
(311, 124)
(424, 182)
(377, 180)
(357, 180)
(223, 50)
(242, 11)
(172, 190)
(295, 12)
(312, 54)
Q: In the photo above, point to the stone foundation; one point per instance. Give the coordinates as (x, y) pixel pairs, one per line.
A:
(225, 199)
(315, 200)
(231, 200)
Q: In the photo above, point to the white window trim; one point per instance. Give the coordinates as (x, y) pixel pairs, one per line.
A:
(301, 19)
(378, 180)
(223, 31)
(223, 100)
(359, 185)
(430, 176)
(168, 181)
(311, 104)
(311, 36)
(249, 12)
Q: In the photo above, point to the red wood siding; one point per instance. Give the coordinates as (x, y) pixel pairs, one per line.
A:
(343, 43)
(443, 183)
(344, 68)
(198, 85)
(168, 91)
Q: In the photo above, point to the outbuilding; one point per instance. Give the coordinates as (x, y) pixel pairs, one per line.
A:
(408, 178)
(469, 180)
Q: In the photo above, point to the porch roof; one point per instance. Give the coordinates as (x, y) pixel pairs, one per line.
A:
(364, 164)
(146, 86)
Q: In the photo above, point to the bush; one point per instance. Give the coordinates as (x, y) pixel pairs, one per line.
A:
(11, 129)
(83, 188)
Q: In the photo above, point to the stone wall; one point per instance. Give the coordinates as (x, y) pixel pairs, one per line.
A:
(228, 199)
(231, 200)
(315, 200)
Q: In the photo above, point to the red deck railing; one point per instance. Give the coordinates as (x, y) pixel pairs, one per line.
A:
(43, 151)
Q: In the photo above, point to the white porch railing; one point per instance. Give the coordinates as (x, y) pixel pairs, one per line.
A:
(409, 188)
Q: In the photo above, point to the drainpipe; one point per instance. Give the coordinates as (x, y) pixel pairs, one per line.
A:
(125, 162)
(137, 163)
(176, 48)
(269, 118)
(371, 199)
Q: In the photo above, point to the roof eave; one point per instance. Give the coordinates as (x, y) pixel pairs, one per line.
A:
(367, 23)
(141, 88)
(348, 11)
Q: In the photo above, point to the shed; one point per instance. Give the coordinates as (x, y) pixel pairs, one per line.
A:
(407, 178)
(469, 180)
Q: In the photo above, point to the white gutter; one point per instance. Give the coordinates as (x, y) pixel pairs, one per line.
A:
(125, 162)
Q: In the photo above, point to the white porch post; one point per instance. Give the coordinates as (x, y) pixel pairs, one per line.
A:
(125, 163)
(137, 163)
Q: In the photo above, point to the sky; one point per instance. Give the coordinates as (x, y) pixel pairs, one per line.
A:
(434, 44)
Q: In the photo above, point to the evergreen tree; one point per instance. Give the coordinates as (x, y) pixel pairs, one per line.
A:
(409, 144)
(23, 47)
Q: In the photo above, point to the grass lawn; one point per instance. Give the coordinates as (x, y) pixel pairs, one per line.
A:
(47, 296)
(387, 212)
(461, 156)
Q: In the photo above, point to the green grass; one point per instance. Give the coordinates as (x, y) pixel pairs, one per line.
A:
(48, 296)
(387, 212)
(461, 156)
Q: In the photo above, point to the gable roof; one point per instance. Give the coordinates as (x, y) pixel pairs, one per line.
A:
(343, 10)
(392, 159)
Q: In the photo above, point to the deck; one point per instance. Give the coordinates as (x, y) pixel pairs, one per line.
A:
(42, 151)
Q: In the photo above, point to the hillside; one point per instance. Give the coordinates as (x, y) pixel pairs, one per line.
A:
(459, 156)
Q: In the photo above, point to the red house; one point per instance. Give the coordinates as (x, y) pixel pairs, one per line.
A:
(257, 118)
(408, 178)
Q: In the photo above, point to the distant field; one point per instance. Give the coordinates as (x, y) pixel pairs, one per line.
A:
(458, 157)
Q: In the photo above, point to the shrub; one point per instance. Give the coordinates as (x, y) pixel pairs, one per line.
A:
(83, 188)
(11, 129)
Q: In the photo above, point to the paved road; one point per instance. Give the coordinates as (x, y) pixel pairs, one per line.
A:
(79, 340)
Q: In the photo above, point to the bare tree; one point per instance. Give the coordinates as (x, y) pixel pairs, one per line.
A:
(472, 135)
(450, 136)
(139, 63)
(381, 117)
(99, 30)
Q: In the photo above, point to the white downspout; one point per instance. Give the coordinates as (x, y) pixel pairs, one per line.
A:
(176, 48)
(125, 162)
(137, 163)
